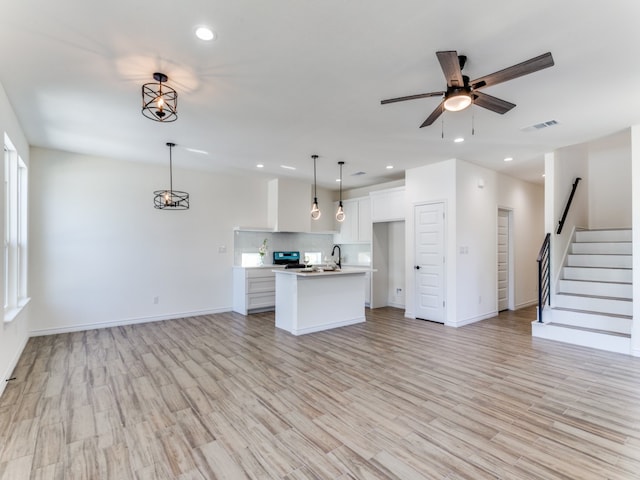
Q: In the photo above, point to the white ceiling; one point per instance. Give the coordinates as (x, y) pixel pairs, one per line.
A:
(289, 78)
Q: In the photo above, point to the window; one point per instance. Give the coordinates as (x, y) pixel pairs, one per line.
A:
(15, 232)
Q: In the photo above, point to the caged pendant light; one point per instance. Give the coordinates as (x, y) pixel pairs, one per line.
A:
(170, 199)
(159, 102)
(340, 215)
(315, 209)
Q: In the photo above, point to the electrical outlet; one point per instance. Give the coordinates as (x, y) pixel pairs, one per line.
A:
(156, 300)
(479, 300)
(222, 249)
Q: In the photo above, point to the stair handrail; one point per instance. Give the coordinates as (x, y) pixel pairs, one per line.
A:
(567, 206)
(544, 275)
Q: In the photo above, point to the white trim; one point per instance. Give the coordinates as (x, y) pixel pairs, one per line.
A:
(395, 305)
(10, 314)
(12, 366)
(409, 314)
(128, 321)
(327, 326)
(530, 303)
(467, 321)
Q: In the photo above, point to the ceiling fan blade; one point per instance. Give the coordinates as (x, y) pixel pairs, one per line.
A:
(434, 115)
(529, 66)
(450, 65)
(492, 103)
(412, 97)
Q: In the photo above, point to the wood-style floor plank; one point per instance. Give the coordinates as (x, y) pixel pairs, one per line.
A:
(230, 396)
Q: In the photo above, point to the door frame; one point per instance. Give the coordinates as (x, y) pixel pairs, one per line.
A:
(445, 249)
(511, 304)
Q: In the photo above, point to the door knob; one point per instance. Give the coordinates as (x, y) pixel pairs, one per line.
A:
(417, 267)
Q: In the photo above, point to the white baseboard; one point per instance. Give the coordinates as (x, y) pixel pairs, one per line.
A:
(395, 305)
(409, 314)
(467, 321)
(7, 374)
(128, 321)
(320, 328)
(530, 303)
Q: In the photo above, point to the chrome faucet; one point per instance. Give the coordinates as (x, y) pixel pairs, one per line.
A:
(338, 263)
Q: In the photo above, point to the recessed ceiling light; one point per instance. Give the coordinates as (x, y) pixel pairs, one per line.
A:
(389, 167)
(458, 140)
(543, 175)
(338, 180)
(508, 159)
(205, 33)
(287, 167)
(259, 165)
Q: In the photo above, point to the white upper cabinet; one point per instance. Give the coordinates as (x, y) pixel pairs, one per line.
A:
(356, 227)
(388, 205)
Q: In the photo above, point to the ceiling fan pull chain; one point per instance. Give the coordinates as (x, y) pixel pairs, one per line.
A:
(473, 120)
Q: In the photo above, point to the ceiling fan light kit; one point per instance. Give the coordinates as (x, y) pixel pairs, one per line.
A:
(461, 92)
(159, 100)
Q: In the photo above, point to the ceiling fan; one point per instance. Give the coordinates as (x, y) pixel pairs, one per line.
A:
(461, 92)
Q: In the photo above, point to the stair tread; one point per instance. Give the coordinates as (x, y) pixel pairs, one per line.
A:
(595, 281)
(595, 296)
(591, 312)
(601, 268)
(593, 330)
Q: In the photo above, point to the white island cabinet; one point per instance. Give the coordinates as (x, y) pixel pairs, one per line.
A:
(309, 302)
(254, 289)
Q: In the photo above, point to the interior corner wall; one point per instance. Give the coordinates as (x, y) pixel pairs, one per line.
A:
(526, 202)
(635, 199)
(101, 255)
(610, 171)
(14, 334)
(567, 164)
(429, 184)
(476, 243)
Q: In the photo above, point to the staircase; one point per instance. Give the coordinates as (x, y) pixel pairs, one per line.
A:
(593, 305)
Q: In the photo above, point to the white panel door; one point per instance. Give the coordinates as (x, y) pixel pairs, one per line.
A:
(503, 260)
(429, 258)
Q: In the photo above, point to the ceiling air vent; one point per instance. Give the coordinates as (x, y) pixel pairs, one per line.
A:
(540, 126)
(357, 174)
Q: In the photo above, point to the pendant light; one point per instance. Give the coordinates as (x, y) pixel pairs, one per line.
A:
(159, 102)
(315, 210)
(340, 216)
(170, 199)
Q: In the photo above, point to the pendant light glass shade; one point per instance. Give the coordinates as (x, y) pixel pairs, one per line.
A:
(315, 209)
(159, 102)
(340, 215)
(170, 199)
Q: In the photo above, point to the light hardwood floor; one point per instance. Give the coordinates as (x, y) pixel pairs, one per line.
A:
(229, 396)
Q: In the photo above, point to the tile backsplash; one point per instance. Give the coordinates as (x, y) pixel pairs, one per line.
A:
(246, 241)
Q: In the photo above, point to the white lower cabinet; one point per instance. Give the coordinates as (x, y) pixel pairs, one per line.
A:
(254, 289)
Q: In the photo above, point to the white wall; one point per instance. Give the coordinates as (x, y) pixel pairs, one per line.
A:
(561, 169)
(13, 335)
(473, 196)
(431, 183)
(610, 181)
(526, 203)
(100, 252)
(635, 170)
(396, 264)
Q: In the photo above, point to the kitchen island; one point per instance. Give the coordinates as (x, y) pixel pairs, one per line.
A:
(311, 301)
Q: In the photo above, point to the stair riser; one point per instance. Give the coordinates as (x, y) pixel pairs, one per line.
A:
(606, 248)
(603, 236)
(610, 343)
(606, 261)
(597, 274)
(600, 305)
(589, 320)
(618, 290)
